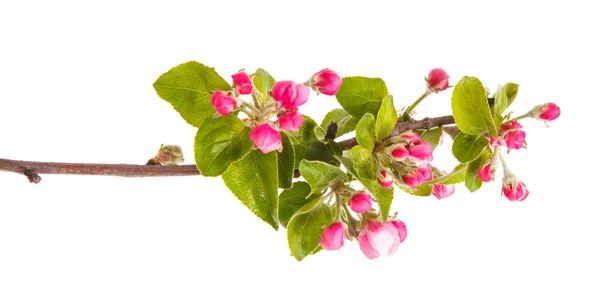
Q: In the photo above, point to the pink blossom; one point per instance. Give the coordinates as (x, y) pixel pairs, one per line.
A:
(514, 189)
(421, 153)
(360, 202)
(265, 138)
(290, 94)
(401, 228)
(548, 111)
(425, 173)
(242, 82)
(291, 120)
(412, 179)
(333, 237)
(438, 80)
(385, 179)
(377, 240)
(510, 126)
(412, 138)
(486, 172)
(442, 191)
(400, 153)
(497, 142)
(222, 102)
(515, 139)
(327, 82)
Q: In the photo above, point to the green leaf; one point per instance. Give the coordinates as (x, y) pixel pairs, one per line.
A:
(467, 147)
(421, 190)
(306, 227)
(263, 81)
(253, 180)
(324, 151)
(188, 88)
(500, 105)
(470, 108)
(321, 175)
(306, 135)
(386, 118)
(454, 177)
(364, 163)
(365, 131)
(360, 95)
(285, 162)
(432, 136)
(345, 121)
(472, 180)
(292, 199)
(219, 142)
(511, 90)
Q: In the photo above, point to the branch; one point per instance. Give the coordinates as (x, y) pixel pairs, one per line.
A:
(32, 169)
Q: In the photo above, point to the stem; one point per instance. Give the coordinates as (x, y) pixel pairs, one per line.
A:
(412, 107)
(250, 106)
(526, 115)
(504, 165)
(338, 214)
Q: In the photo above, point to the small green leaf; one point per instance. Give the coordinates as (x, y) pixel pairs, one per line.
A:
(470, 108)
(500, 105)
(386, 118)
(364, 163)
(306, 135)
(292, 199)
(345, 121)
(188, 88)
(468, 147)
(263, 81)
(285, 162)
(253, 180)
(306, 227)
(432, 136)
(421, 190)
(472, 180)
(511, 90)
(219, 142)
(365, 131)
(324, 151)
(454, 177)
(360, 95)
(321, 175)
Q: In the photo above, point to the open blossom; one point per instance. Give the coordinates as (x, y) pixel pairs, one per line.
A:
(265, 138)
(326, 82)
(333, 237)
(441, 191)
(377, 240)
(242, 83)
(421, 153)
(514, 136)
(486, 172)
(385, 179)
(291, 120)
(290, 94)
(547, 112)
(438, 80)
(360, 202)
(222, 102)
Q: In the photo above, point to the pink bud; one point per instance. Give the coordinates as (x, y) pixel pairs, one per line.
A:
(327, 82)
(242, 83)
(438, 80)
(422, 153)
(425, 173)
(400, 153)
(360, 202)
(401, 228)
(514, 189)
(290, 94)
(379, 240)
(265, 138)
(412, 179)
(222, 102)
(385, 180)
(549, 111)
(515, 139)
(291, 120)
(486, 172)
(510, 126)
(333, 237)
(442, 191)
(497, 142)
(412, 137)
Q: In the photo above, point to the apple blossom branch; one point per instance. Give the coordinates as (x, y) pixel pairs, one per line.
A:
(32, 169)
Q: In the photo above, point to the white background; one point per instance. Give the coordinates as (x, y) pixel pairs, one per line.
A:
(76, 86)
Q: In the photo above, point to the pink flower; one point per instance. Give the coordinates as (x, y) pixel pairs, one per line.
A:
(422, 153)
(412, 179)
(242, 82)
(360, 202)
(438, 80)
(385, 180)
(265, 138)
(442, 191)
(425, 173)
(222, 102)
(377, 240)
(290, 94)
(291, 120)
(401, 228)
(333, 237)
(547, 112)
(514, 189)
(486, 172)
(497, 142)
(327, 82)
(510, 126)
(400, 153)
(515, 139)
(412, 137)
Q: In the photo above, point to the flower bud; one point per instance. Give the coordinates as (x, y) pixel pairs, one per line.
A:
(412, 179)
(291, 120)
(438, 80)
(400, 152)
(486, 172)
(290, 94)
(170, 155)
(425, 173)
(377, 240)
(385, 179)
(421, 153)
(222, 102)
(442, 191)
(515, 139)
(242, 83)
(547, 112)
(514, 189)
(265, 138)
(401, 228)
(360, 202)
(326, 82)
(497, 142)
(412, 137)
(510, 126)
(333, 237)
